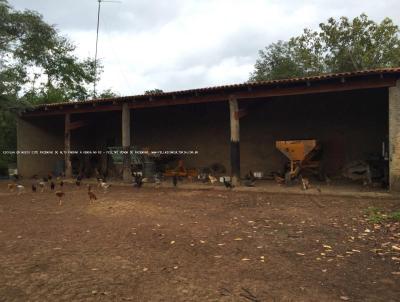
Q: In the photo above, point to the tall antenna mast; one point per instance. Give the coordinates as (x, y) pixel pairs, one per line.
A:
(97, 40)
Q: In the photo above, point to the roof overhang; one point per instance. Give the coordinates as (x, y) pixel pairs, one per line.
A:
(247, 91)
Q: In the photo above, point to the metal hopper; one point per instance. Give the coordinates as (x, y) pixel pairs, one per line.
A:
(298, 152)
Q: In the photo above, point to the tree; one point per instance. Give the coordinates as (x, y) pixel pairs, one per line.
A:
(37, 65)
(153, 91)
(338, 46)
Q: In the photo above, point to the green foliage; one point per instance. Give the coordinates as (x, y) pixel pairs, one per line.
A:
(338, 46)
(376, 215)
(153, 91)
(395, 216)
(37, 65)
(108, 93)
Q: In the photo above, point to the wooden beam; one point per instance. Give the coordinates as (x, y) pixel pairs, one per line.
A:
(67, 146)
(99, 108)
(235, 140)
(126, 143)
(77, 125)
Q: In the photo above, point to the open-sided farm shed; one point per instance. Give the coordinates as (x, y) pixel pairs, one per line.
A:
(354, 115)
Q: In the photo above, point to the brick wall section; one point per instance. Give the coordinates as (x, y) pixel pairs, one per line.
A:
(394, 137)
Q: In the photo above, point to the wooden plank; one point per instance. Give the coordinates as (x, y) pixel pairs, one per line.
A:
(77, 125)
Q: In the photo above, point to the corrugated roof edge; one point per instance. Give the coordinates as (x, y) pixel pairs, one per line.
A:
(246, 84)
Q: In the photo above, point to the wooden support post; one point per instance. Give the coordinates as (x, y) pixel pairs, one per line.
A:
(126, 143)
(235, 141)
(67, 146)
(394, 137)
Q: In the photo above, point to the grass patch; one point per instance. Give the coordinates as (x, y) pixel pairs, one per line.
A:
(376, 215)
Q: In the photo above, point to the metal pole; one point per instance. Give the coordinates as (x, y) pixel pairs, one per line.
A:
(95, 55)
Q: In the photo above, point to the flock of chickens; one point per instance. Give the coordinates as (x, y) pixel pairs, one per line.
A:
(57, 184)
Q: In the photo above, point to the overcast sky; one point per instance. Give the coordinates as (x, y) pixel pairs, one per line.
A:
(184, 44)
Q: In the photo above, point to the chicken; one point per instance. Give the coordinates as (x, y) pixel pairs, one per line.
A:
(278, 179)
(33, 188)
(228, 184)
(212, 179)
(175, 180)
(20, 189)
(138, 181)
(249, 179)
(11, 187)
(105, 186)
(61, 184)
(52, 186)
(42, 186)
(78, 181)
(305, 183)
(92, 196)
(60, 195)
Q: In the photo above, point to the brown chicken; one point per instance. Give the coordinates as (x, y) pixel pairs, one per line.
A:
(92, 196)
(60, 195)
(11, 187)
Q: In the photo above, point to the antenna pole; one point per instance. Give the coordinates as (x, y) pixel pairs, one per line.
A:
(95, 55)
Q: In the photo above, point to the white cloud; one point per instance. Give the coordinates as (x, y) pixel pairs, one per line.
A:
(183, 44)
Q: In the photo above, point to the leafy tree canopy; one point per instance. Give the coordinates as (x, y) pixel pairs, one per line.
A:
(153, 91)
(337, 46)
(37, 65)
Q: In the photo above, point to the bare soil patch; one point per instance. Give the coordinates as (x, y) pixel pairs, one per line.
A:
(195, 245)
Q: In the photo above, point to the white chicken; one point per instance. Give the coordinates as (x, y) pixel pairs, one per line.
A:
(212, 179)
(105, 186)
(20, 189)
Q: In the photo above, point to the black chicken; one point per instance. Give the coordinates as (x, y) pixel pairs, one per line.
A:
(78, 181)
(33, 188)
(138, 181)
(175, 180)
(52, 186)
(228, 184)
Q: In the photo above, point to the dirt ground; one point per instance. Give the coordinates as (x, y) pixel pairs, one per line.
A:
(195, 245)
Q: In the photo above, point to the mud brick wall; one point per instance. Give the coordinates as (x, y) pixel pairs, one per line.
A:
(39, 134)
(394, 135)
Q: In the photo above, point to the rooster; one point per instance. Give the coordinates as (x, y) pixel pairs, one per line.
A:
(91, 195)
(228, 184)
(60, 195)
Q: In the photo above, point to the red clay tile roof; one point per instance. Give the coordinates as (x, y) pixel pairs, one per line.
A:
(380, 71)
